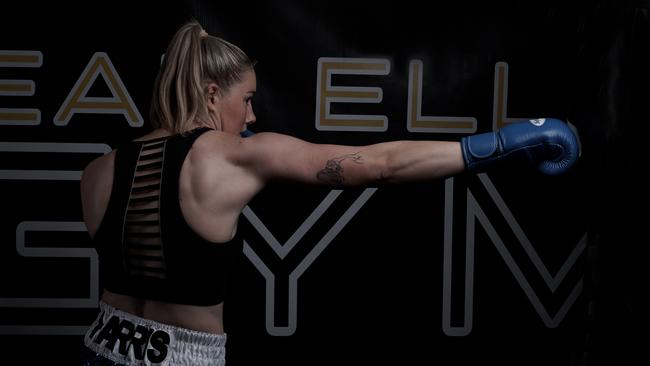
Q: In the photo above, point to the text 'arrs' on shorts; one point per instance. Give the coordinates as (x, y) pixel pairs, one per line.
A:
(131, 340)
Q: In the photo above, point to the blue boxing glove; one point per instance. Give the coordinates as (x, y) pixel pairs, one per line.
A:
(246, 133)
(548, 143)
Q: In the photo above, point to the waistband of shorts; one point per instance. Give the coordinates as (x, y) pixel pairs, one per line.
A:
(118, 335)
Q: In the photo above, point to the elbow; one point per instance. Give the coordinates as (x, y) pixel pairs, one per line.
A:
(385, 178)
(386, 172)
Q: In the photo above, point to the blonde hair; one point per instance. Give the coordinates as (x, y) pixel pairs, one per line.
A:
(192, 60)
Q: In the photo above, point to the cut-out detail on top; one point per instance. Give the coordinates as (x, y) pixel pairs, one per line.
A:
(142, 245)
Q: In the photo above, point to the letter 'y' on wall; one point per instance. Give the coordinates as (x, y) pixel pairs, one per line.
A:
(275, 281)
(326, 94)
(78, 102)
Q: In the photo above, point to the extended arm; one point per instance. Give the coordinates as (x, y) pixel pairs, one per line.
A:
(278, 156)
(547, 143)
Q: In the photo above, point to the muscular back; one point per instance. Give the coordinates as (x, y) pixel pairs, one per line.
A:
(212, 192)
(213, 188)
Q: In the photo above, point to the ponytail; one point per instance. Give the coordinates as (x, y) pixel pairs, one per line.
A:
(192, 60)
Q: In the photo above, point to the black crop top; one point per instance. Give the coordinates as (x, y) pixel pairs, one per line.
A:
(146, 248)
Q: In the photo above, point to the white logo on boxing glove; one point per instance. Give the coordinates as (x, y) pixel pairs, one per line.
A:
(538, 122)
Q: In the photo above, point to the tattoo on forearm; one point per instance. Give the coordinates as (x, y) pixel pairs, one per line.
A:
(333, 171)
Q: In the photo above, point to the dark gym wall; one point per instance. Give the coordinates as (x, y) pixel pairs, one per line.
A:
(509, 267)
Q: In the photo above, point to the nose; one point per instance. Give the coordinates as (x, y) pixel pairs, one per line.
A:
(250, 117)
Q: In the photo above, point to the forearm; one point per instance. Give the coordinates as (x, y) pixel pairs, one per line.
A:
(404, 161)
(283, 157)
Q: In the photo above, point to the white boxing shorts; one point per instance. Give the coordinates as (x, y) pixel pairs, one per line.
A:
(131, 340)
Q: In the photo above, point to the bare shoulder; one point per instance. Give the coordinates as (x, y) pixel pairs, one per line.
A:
(218, 155)
(215, 174)
(98, 168)
(233, 148)
(95, 186)
(212, 142)
(262, 157)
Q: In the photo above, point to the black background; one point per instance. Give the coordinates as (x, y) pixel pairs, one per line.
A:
(374, 295)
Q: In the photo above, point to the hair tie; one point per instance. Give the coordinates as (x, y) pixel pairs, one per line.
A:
(203, 33)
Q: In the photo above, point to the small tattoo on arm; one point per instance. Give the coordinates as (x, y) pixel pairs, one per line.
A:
(333, 171)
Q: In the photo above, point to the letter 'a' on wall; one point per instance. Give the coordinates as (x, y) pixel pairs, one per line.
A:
(119, 103)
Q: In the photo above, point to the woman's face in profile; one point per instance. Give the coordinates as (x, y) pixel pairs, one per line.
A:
(236, 108)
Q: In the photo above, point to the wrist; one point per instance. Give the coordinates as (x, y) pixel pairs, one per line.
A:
(480, 150)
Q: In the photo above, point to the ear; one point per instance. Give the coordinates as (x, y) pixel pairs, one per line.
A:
(212, 90)
(212, 95)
